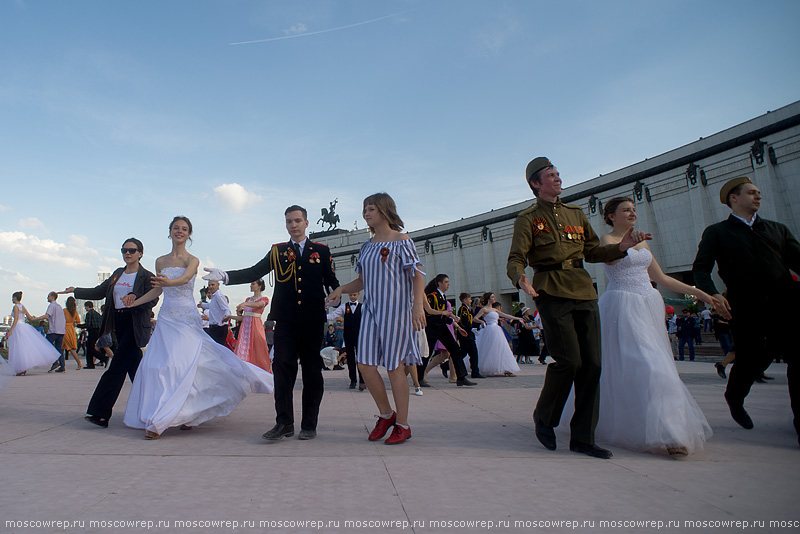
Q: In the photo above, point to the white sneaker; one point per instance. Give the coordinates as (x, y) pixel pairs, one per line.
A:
(418, 392)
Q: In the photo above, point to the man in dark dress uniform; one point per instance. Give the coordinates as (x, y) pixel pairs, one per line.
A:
(467, 342)
(303, 270)
(437, 318)
(754, 257)
(554, 239)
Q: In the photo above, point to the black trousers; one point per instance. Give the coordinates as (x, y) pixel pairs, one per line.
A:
(218, 333)
(759, 338)
(469, 347)
(351, 349)
(573, 335)
(439, 332)
(295, 341)
(125, 362)
(91, 352)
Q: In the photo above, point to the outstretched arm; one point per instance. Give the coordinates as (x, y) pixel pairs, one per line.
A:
(352, 287)
(658, 276)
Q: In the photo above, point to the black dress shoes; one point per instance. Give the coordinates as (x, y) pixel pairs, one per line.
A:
(544, 433)
(464, 382)
(477, 375)
(99, 421)
(739, 414)
(424, 384)
(591, 450)
(352, 385)
(307, 434)
(279, 431)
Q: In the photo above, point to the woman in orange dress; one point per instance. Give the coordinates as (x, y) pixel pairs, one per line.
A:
(251, 345)
(70, 341)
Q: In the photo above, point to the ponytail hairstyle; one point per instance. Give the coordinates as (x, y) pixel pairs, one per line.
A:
(485, 298)
(17, 296)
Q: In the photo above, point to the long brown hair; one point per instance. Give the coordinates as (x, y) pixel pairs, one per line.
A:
(72, 306)
(387, 208)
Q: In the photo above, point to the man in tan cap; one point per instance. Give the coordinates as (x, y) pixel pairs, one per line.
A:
(554, 239)
(754, 257)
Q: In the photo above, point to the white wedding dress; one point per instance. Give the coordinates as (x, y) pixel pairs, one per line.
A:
(644, 405)
(185, 377)
(494, 355)
(27, 348)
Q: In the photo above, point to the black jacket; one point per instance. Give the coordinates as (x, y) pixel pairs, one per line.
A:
(753, 262)
(141, 314)
(300, 283)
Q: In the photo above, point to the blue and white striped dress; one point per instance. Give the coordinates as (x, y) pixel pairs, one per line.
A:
(387, 334)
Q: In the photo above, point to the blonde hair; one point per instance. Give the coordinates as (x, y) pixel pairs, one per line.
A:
(387, 208)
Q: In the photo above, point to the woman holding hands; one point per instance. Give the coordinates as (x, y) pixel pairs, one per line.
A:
(389, 272)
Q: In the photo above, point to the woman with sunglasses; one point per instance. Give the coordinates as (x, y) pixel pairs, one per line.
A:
(131, 326)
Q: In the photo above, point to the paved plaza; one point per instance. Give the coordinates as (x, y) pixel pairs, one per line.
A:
(472, 465)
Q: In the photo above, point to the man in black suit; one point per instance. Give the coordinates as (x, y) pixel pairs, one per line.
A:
(754, 257)
(467, 342)
(303, 270)
(351, 311)
(437, 318)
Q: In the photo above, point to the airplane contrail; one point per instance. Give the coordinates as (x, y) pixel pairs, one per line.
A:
(320, 31)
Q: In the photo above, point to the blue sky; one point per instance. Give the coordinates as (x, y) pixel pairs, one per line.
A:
(116, 116)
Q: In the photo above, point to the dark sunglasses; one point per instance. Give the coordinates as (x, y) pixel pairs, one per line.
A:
(129, 250)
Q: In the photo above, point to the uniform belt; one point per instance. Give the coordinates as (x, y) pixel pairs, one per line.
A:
(563, 266)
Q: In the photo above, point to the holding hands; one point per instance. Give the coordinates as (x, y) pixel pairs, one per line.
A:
(632, 238)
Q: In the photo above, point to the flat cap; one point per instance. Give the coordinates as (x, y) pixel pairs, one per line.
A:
(730, 184)
(535, 166)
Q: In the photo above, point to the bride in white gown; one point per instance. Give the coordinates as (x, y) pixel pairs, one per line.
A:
(494, 355)
(185, 378)
(644, 405)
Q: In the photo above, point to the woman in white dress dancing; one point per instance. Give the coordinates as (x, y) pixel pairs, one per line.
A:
(185, 378)
(644, 405)
(26, 347)
(495, 356)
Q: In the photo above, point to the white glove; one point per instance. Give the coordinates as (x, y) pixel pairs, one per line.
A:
(215, 275)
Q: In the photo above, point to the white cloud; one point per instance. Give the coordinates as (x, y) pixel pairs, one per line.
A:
(297, 28)
(4, 208)
(235, 197)
(17, 280)
(32, 223)
(75, 253)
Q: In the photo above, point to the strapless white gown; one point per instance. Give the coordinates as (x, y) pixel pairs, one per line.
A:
(27, 348)
(185, 377)
(644, 405)
(494, 355)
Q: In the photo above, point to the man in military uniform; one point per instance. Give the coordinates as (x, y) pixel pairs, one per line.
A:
(754, 257)
(555, 239)
(303, 270)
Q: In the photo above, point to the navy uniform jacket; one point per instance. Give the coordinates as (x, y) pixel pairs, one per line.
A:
(753, 262)
(300, 283)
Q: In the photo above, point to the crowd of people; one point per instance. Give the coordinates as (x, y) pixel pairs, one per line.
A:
(189, 374)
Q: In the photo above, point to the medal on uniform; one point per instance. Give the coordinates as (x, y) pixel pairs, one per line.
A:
(314, 257)
(540, 225)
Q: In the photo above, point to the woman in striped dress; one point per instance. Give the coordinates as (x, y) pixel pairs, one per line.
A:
(388, 269)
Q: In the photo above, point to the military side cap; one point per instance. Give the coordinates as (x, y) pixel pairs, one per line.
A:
(729, 185)
(535, 166)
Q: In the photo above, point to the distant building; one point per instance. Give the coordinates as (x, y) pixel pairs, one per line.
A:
(677, 196)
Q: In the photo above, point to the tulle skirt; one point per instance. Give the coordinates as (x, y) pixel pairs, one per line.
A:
(186, 378)
(27, 349)
(494, 354)
(644, 405)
